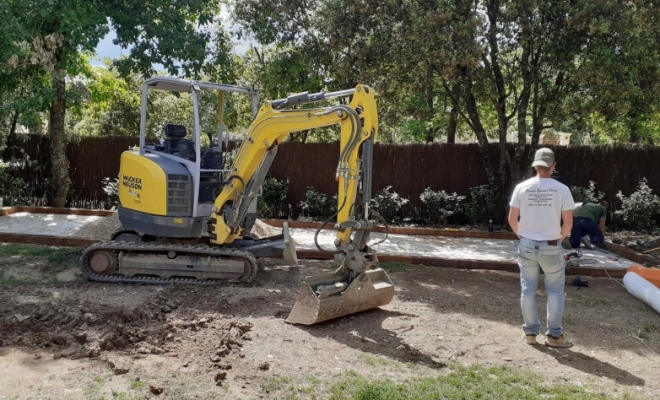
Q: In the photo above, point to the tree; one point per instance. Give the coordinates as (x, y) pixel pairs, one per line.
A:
(507, 65)
(618, 83)
(508, 68)
(52, 34)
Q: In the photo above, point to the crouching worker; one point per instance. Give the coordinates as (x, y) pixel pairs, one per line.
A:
(589, 221)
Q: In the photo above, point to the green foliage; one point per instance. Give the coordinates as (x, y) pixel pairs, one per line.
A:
(178, 35)
(388, 204)
(272, 202)
(480, 207)
(318, 205)
(641, 210)
(440, 206)
(414, 131)
(278, 20)
(12, 190)
(51, 38)
(111, 189)
(113, 108)
(588, 194)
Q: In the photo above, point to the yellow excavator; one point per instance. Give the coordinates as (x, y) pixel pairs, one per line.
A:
(188, 220)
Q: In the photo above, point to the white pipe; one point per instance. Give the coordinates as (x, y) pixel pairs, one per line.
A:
(643, 290)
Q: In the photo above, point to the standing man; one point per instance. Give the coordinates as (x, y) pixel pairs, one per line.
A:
(589, 220)
(542, 203)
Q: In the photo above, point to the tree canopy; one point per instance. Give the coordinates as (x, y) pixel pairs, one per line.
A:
(497, 71)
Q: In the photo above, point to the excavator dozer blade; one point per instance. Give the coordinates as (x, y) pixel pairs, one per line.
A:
(289, 253)
(368, 290)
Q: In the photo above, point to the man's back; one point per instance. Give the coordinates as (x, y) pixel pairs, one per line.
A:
(541, 201)
(592, 211)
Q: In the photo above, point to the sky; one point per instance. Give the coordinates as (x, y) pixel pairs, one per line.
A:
(106, 49)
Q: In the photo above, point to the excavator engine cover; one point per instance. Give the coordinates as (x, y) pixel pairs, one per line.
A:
(327, 296)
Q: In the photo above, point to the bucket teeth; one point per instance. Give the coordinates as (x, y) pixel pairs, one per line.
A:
(368, 290)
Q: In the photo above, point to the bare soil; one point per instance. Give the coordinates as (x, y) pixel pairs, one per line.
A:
(77, 339)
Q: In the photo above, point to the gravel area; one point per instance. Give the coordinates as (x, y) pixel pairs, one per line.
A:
(103, 228)
(100, 229)
(44, 224)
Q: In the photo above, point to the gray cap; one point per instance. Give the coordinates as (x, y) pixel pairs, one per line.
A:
(544, 158)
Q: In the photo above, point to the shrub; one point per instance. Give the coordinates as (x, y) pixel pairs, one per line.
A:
(318, 205)
(388, 204)
(440, 206)
(272, 202)
(12, 189)
(111, 189)
(480, 208)
(641, 209)
(588, 194)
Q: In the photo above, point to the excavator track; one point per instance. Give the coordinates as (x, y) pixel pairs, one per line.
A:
(106, 250)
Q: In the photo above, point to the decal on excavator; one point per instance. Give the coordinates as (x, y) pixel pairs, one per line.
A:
(132, 182)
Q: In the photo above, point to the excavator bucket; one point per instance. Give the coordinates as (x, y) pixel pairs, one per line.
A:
(327, 296)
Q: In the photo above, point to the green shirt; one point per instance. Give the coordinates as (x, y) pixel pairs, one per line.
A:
(593, 211)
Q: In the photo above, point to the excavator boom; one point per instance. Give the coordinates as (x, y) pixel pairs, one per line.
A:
(358, 284)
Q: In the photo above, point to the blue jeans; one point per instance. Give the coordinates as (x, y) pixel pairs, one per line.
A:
(583, 226)
(532, 257)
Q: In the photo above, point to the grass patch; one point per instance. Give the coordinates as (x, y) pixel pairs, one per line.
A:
(180, 389)
(53, 254)
(124, 396)
(41, 263)
(649, 328)
(392, 266)
(585, 301)
(462, 383)
(95, 390)
(137, 384)
(11, 281)
(374, 361)
(275, 384)
(474, 382)
(92, 387)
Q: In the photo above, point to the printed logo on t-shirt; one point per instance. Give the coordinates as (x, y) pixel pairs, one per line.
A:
(540, 197)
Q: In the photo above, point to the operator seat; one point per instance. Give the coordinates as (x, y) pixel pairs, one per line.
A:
(211, 159)
(176, 144)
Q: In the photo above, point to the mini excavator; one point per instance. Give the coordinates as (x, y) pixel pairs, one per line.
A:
(187, 220)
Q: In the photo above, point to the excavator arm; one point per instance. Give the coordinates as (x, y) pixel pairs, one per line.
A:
(358, 284)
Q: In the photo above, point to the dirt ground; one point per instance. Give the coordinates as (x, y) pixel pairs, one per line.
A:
(64, 338)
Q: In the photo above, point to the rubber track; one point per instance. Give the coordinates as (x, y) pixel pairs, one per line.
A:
(163, 248)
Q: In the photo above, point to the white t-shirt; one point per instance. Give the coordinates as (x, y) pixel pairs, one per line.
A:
(541, 201)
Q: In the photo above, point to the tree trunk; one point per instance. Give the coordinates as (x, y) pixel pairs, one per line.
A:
(454, 96)
(494, 177)
(61, 180)
(14, 123)
(10, 148)
(634, 136)
(430, 135)
(453, 124)
(430, 132)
